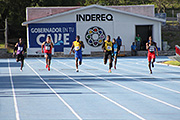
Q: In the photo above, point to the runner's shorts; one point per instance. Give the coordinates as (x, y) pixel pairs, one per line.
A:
(78, 54)
(20, 57)
(49, 55)
(151, 56)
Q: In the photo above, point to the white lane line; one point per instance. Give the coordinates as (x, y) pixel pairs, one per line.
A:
(169, 69)
(14, 94)
(70, 108)
(114, 102)
(167, 79)
(153, 98)
(175, 91)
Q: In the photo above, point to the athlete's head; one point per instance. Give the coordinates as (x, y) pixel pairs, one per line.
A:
(20, 40)
(48, 39)
(114, 40)
(77, 38)
(150, 39)
(108, 38)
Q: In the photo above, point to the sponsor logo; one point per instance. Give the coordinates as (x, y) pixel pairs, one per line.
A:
(94, 17)
(95, 36)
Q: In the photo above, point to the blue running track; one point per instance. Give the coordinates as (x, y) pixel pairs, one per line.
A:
(128, 93)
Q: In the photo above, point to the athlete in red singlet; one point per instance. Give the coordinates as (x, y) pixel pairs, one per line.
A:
(47, 45)
(151, 46)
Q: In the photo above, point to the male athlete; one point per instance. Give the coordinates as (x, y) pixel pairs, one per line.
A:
(20, 49)
(77, 45)
(47, 45)
(151, 46)
(116, 51)
(108, 51)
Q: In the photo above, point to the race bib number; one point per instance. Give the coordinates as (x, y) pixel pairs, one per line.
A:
(151, 48)
(47, 47)
(77, 48)
(109, 48)
(20, 48)
(115, 49)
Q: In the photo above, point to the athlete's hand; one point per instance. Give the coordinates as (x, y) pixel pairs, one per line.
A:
(104, 50)
(157, 54)
(42, 51)
(69, 52)
(13, 54)
(118, 51)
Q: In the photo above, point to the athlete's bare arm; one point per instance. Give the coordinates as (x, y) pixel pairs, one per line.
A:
(24, 49)
(112, 48)
(82, 44)
(103, 47)
(15, 49)
(71, 48)
(52, 45)
(119, 46)
(16, 44)
(42, 47)
(156, 49)
(147, 46)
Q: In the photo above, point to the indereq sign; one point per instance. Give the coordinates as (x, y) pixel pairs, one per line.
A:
(62, 34)
(94, 17)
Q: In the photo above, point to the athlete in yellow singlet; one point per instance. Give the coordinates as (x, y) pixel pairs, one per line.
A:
(108, 51)
(77, 46)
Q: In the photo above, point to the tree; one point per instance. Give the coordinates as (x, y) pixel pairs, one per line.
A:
(15, 11)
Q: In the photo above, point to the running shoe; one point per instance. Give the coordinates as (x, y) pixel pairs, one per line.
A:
(150, 72)
(77, 70)
(152, 64)
(109, 71)
(46, 66)
(114, 67)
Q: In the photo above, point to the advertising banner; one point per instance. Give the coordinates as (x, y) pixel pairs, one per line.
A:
(62, 34)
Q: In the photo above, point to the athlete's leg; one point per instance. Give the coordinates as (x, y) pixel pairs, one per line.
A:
(76, 60)
(110, 61)
(149, 65)
(46, 59)
(17, 58)
(80, 59)
(115, 61)
(149, 62)
(49, 61)
(153, 60)
(22, 62)
(105, 57)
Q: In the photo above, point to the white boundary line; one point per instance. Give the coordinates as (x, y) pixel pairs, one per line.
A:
(153, 98)
(168, 79)
(14, 94)
(168, 65)
(99, 94)
(161, 64)
(70, 108)
(175, 91)
(136, 115)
